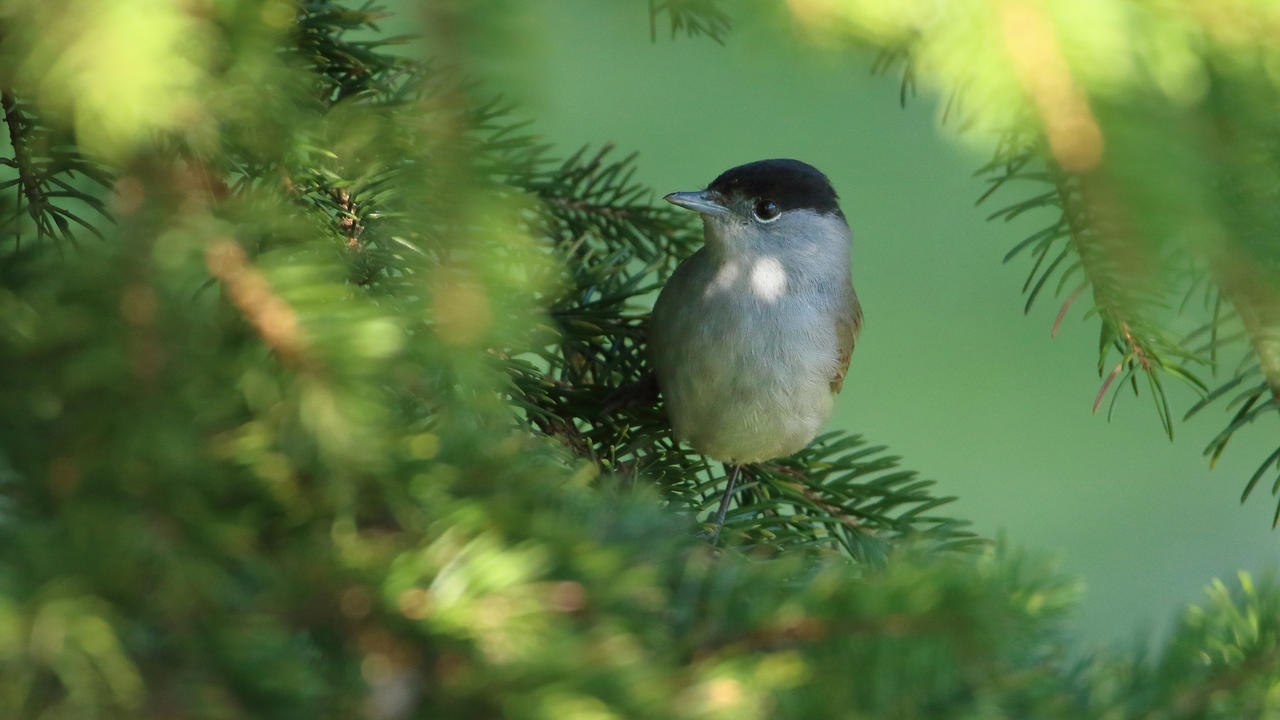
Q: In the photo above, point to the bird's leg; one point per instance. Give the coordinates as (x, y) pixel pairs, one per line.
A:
(724, 502)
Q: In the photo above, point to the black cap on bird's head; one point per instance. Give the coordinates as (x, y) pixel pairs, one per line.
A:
(770, 187)
(791, 184)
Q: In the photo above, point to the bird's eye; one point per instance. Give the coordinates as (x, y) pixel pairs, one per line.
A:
(766, 210)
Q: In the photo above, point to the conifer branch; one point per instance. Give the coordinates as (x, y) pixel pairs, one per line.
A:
(39, 184)
(30, 188)
(693, 17)
(1123, 300)
(848, 496)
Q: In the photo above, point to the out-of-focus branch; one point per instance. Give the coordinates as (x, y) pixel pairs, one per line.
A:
(250, 291)
(1069, 125)
(1254, 297)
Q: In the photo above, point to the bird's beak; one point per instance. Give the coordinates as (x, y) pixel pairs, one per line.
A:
(703, 202)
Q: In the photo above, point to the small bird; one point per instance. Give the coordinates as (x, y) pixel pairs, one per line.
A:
(751, 336)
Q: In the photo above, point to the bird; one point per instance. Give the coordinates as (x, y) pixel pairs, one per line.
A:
(751, 336)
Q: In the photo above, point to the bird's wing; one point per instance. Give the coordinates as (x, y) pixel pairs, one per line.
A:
(848, 323)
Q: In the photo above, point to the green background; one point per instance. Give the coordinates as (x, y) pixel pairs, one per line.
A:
(948, 372)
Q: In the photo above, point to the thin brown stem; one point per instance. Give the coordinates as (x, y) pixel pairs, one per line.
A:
(1138, 352)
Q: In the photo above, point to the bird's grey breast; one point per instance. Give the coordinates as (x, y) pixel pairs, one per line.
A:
(747, 351)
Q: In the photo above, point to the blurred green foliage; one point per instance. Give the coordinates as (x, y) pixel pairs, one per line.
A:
(305, 354)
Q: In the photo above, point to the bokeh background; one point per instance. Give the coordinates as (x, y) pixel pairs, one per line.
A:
(949, 372)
